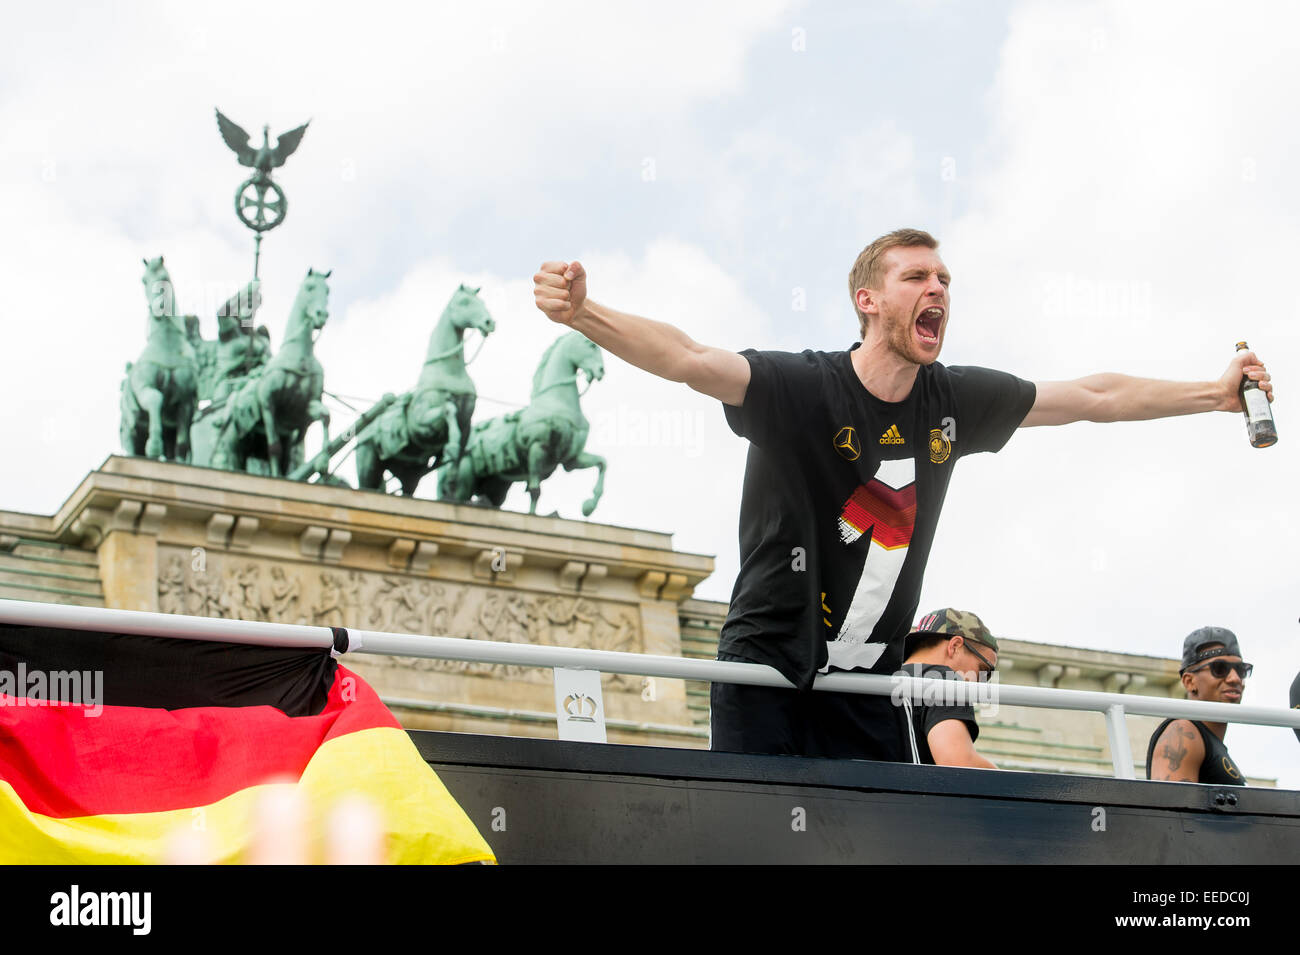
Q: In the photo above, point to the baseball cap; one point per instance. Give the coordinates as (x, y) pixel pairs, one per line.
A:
(1193, 642)
(955, 623)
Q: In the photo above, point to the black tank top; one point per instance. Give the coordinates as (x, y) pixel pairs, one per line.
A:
(1217, 768)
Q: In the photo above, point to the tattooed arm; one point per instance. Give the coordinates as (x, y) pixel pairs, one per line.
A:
(1179, 753)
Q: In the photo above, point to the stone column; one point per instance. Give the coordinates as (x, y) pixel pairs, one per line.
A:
(128, 556)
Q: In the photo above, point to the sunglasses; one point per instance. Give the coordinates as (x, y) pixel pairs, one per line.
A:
(988, 667)
(1221, 668)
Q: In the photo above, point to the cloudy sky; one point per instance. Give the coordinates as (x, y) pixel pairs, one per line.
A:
(1113, 184)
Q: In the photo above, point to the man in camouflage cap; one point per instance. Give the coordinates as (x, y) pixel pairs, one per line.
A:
(940, 728)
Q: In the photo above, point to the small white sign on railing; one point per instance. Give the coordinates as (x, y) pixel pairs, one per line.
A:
(579, 708)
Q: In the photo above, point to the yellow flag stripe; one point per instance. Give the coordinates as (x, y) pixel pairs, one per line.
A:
(423, 823)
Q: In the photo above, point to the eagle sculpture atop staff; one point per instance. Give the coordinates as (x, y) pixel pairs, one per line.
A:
(260, 203)
(264, 159)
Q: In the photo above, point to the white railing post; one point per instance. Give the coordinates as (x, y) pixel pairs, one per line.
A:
(1121, 753)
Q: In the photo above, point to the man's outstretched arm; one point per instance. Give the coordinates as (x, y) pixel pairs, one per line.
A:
(560, 289)
(1111, 397)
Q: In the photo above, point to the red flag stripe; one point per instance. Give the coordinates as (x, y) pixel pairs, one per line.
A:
(63, 763)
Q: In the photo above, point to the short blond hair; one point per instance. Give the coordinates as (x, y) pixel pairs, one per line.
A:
(868, 269)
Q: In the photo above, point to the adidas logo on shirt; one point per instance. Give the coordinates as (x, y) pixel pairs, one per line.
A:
(892, 436)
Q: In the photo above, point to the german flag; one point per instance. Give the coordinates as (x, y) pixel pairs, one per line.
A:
(112, 744)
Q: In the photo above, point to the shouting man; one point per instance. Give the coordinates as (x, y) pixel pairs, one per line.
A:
(849, 461)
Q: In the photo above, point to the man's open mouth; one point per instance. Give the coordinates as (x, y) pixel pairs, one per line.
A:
(928, 324)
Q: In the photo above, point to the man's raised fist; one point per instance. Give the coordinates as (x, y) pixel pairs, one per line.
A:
(560, 289)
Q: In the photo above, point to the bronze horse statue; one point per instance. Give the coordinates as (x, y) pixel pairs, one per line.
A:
(528, 445)
(268, 415)
(428, 422)
(160, 390)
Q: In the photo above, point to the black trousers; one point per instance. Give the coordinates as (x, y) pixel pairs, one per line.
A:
(760, 719)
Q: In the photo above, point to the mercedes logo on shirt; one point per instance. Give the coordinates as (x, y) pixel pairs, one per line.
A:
(846, 444)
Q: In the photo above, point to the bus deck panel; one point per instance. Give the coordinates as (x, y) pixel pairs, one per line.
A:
(548, 801)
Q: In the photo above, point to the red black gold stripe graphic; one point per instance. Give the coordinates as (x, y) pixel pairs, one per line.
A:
(888, 514)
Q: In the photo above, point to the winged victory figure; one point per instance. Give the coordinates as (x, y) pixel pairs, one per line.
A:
(263, 158)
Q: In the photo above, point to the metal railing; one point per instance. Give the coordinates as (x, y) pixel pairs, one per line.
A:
(1113, 706)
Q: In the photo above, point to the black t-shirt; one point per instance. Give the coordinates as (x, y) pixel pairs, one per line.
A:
(841, 499)
(1216, 768)
(931, 709)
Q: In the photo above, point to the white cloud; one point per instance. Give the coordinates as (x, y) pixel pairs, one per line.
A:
(1139, 217)
(421, 104)
(418, 114)
(673, 463)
